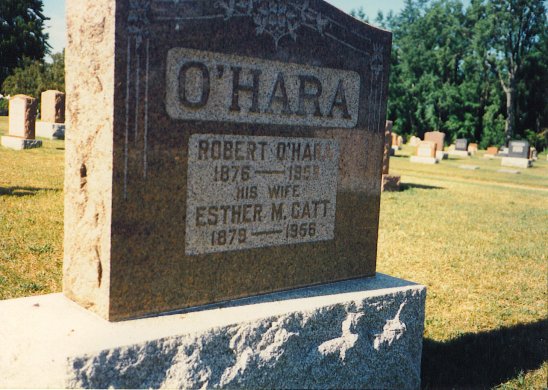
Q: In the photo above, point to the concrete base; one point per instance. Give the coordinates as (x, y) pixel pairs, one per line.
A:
(391, 183)
(440, 155)
(458, 153)
(424, 160)
(50, 130)
(490, 156)
(516, 162)
(364, 333)
(17, 143)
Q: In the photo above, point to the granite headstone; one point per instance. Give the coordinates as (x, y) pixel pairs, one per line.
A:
(518, 149)
(219, 149)
(492, 150)
(426, 149)
(22, 116)
(52, 106)
(461, 144)
(22, 123)
(437, 137)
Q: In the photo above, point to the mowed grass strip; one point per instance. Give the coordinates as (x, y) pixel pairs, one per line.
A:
(476, 239)
(31, 219)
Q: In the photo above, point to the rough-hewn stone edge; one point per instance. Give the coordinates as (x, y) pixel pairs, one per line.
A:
(89, 151)
(17, 143)
(375, 342)
(50, 130)
(331, 335)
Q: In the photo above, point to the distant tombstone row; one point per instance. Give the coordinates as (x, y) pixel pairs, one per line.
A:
(23, 127)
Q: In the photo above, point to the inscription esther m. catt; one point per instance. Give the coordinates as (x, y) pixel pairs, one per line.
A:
(250, 192)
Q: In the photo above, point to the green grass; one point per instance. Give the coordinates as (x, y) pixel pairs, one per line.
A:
(476, 239)
(31, 219)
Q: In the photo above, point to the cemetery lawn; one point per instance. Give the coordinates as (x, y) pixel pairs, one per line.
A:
(476, 239)
(31, 219)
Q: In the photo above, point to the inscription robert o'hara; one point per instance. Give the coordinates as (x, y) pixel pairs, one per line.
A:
(220, 87)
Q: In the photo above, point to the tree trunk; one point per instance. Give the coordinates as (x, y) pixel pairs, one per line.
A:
(510, 107)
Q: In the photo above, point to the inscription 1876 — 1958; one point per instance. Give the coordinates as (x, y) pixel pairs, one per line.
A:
(250, 192)
(212, 86)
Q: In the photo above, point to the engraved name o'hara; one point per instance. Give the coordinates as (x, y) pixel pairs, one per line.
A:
(219, 87)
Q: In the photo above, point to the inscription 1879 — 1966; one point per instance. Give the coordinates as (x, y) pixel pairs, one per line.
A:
(250, 192)
(212, 86)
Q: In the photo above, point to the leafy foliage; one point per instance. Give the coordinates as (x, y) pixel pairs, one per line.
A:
(21, 34)
(36, 77)
(478, 72)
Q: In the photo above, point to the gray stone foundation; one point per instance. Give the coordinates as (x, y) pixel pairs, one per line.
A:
(17, 143)
(50, 130)
(364, 333)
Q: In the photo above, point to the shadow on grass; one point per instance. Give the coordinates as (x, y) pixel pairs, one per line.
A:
(22, 191)
(408, 186)
(484, 360)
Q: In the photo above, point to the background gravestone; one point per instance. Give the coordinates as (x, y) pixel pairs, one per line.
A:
(52, 106)
(518, 155)
(461, 144)
(388, 143)
(426, 149)
(216, 155)
(472, 148)
(518, 149)
(425, 153)
(437, 137)
(389, 182)
(22, 122)
(52, 115)
(492, 150)
(22, 116)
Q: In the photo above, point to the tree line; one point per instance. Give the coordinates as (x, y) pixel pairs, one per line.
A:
(478, 72)
(23, 48)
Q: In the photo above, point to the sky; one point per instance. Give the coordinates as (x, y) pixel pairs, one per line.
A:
(55, 10)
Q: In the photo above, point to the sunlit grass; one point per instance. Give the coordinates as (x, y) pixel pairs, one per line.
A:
(31, 219)
(476, 239)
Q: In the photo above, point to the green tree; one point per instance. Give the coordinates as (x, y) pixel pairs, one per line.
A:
(21, 34)
(517, 26)
(36, 77)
